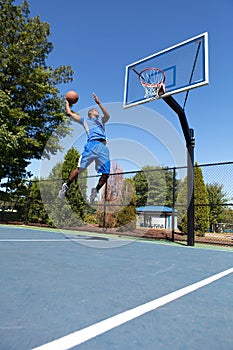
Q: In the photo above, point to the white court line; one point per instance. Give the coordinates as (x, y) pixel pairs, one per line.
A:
(85, 334)
(34, 240)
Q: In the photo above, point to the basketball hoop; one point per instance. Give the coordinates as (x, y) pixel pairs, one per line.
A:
(152, 80)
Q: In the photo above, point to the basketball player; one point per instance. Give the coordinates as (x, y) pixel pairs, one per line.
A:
(95, 149)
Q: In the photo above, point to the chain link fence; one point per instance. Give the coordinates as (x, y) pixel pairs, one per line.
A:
(218, 179)
(150, 203)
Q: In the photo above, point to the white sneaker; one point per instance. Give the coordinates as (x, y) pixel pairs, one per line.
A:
(93, 195)
(62, 192)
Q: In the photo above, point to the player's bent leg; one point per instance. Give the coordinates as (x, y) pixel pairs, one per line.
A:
(73, 176)
(102, 181)
(66, 185)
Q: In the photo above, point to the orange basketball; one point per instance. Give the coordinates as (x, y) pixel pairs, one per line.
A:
(72, 97)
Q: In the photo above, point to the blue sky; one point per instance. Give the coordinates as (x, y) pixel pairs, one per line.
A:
(98, 39)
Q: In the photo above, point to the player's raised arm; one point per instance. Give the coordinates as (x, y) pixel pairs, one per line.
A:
(106, 115)
(74, 116)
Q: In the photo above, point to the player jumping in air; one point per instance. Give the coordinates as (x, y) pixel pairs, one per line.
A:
(95, 149)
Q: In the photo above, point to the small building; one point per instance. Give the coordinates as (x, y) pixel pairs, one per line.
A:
(155, 216)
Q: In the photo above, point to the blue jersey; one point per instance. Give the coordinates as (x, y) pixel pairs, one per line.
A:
(95, 149)
(94, 128)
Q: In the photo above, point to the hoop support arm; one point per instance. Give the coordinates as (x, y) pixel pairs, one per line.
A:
(182, 117)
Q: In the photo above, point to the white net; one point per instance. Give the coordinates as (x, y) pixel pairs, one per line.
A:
(152, 79)
(154, 92)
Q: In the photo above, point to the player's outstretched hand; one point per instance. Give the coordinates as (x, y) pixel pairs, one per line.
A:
(68, 110)
(96, 99)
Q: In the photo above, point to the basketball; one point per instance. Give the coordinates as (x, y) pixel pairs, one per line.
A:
(72, 97)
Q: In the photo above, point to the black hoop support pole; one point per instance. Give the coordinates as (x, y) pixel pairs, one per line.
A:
(190, 144)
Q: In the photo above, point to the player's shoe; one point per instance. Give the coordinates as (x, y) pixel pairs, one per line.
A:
(62, 192)
(93, 195)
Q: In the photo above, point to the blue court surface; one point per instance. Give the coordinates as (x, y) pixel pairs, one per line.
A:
(61, 290)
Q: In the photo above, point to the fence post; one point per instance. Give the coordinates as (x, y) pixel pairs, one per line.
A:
(27, 203)
(105, 205)
(3, 211)
(173, 204)
(190, 212)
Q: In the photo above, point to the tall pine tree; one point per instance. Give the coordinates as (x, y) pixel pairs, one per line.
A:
(201, 209)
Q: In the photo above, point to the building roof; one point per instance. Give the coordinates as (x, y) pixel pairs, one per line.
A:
(154, 209)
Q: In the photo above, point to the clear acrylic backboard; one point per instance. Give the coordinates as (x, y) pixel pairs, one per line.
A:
(185, 66)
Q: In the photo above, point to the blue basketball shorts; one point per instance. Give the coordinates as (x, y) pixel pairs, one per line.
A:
(98, 152)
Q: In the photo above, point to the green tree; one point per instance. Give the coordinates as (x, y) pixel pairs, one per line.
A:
(172, 184)
(126, 216)
(141, 187)
(228, 217)
(30, 105)
(181, 204)
(71, 211)
(77, 194)
(216, 199)
(34, 210)
(201, 209)
(151, 187)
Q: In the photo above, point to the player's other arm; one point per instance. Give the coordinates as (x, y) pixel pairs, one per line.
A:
(106, 115)
(74, 116)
